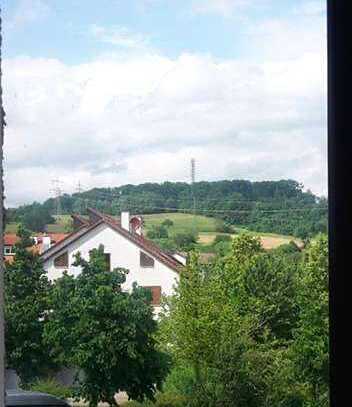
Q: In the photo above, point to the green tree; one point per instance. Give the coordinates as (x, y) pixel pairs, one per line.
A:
(185, 241)
(167, 223)
(231, 322)
(158, 232)
(37, 217)
(106, 333)
(311, 338)
(26, 310)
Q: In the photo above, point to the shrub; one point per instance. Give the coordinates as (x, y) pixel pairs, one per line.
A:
(222, 227)
(170, 400)
(167, 223)
(158, 232)
(51, 386)
(185, 241)
(222, 238)
(162, 400)
(180, 380)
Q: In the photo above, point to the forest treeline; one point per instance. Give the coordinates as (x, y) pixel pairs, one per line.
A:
(266, 206)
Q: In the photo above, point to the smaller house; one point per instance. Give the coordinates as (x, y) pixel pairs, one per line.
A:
(42, 242)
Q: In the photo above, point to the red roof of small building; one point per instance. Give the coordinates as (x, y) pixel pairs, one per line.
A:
(10, 239)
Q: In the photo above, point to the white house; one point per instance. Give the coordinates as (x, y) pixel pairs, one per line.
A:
(124, 246)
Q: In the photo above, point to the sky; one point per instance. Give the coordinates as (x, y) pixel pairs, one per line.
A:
(105, 93)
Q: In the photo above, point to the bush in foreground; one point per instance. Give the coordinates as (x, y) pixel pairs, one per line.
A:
(51, 386)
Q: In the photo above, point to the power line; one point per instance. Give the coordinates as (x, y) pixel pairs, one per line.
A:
(187, 210)
(205, 200)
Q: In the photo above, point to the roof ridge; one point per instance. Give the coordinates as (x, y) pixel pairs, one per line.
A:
(141, 241)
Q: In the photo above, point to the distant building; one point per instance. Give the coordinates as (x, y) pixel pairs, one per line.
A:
(42, 242)
(124, 247)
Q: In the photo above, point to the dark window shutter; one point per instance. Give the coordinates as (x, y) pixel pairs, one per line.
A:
(107, 261)
(156, 294)
(62, 260)
(145, 260)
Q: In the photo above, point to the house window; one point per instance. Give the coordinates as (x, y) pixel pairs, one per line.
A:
(8, 250)
(156, 294)
(146, 261)
(61, 260)
(107, 261)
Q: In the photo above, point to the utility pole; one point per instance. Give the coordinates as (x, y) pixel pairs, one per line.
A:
(79, 191)
(2, 302)
(57, 191)
(79, 187)
(193, 178)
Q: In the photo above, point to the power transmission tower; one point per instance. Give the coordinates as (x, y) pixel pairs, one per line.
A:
(57, 191)
(193, 178)
(79, 187)
(80, 200)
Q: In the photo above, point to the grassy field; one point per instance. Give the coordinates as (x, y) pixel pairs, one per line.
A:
(11, 227)
(204, 226)
(183, 222)
(268, 240)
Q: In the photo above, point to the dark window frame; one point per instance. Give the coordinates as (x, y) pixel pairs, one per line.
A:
(58, 257)
(147, 258)
(340, 202)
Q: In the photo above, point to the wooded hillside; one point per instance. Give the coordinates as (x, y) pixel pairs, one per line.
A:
(267, 206)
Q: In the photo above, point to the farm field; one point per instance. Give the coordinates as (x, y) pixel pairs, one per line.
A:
(269, 241)
(204, 226)
(183, 222)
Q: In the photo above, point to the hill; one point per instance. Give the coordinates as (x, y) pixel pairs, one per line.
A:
(281, 207)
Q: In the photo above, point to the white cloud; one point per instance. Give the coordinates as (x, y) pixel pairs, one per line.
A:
(120, 37)
(142, 117)
(311, 8)
(222, 7)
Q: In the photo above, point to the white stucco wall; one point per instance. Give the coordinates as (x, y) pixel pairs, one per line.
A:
(123, 253)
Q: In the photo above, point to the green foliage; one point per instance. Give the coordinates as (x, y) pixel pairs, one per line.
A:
(252, 328)
(105, 332)
(167, 223)
(223, 227)
(185, 241)
(260, 206)
(51, 386)
(221, 239)
(36, 217)
(162, 400)
(158, 232)
(311, 338)
(26, 310)
(181, 380)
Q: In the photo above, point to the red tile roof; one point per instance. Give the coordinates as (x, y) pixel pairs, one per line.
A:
(10, 239)
(140, 241)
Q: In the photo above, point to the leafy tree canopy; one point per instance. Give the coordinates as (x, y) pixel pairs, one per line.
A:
(26, 310)
(105, 332)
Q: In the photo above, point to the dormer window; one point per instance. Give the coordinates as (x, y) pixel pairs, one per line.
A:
(61, 260)
(145, 260)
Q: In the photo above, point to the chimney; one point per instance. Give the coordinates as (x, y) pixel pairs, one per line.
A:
(46, 243)
(125, 220)
(136, 225)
